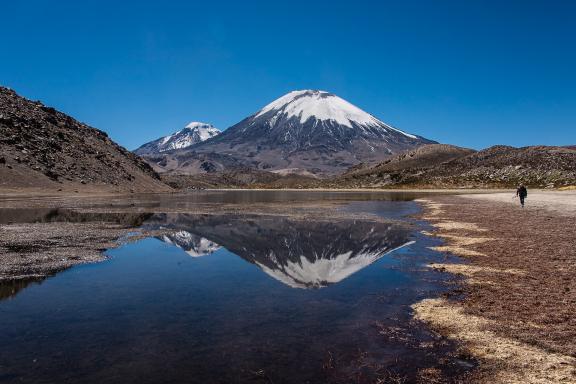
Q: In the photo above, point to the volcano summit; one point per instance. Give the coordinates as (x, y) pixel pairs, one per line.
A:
(308, 132)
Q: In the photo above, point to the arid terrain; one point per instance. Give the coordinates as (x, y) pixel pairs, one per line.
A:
(516, 315)
(43, 150)
(447, 166)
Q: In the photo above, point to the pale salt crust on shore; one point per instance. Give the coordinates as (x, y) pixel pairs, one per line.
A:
(521, 363)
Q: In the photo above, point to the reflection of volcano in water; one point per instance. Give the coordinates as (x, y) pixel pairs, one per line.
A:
(192, 244)
(322, 272)
(299, 253)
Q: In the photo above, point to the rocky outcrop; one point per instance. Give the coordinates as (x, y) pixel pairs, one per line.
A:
(498, 166)
(42, 148)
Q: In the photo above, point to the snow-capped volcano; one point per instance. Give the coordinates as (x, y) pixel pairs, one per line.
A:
(323, 107)
(313, 132)
(193, 133)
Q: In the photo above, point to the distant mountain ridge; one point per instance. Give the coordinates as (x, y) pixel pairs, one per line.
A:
(310, 132)
(194, 133)
(444, 166)
(428, 166)
(305, 139)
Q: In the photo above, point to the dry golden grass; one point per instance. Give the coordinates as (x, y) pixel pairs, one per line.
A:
(513, 362)
(456, 225)
(475, 274)
(472, 270)
(434, 214)
(457, 250)
(434, 209)
(459, 240)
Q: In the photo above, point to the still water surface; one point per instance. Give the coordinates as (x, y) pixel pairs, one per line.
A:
(234, 299)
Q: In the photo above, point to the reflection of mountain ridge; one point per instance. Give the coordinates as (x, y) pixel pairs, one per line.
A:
(299, 253)
(192, 244)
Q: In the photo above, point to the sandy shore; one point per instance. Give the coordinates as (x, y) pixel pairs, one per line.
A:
(36, 250)
(517, 315)
(563, 203)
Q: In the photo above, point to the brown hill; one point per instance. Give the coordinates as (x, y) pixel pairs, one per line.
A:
(43, 149)
(237, 178)
(188, 162)
(426, 156)
(498, 166)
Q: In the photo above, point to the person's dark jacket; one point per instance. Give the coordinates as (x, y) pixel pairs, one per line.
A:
(522, 192)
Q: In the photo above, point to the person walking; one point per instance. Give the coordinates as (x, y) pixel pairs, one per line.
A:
(522, 192)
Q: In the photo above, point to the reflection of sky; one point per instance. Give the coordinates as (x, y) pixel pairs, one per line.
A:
(152, 312)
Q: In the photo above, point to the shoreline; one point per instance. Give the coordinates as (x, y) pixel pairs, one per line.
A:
(34, 192)
(516, 316)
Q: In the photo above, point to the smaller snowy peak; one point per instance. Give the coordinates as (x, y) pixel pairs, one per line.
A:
(193, 133)
(324, 106)
(199, 126)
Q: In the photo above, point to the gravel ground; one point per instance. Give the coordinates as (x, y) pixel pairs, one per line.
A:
(517, 315)
(563, 203)
(40, 249)
(36, 250)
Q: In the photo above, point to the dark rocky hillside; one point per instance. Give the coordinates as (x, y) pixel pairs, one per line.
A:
(424, 157)
(43, 149)
(498, 166)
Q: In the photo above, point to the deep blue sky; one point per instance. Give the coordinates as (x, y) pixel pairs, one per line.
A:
(470, 73)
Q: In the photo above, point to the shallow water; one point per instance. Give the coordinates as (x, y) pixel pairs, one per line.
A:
(235, 299)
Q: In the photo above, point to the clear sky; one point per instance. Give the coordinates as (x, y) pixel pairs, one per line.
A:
(470, 73)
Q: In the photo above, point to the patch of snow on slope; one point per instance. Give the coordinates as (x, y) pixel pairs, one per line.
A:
(323, 106)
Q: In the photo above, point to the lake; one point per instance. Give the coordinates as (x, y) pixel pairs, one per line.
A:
(234, 297)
